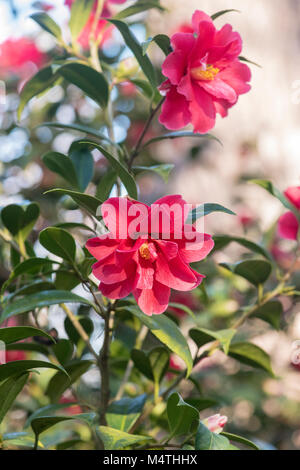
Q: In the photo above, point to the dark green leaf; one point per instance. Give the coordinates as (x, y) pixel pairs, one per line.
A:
(40, 425)
(66, 280)
(17, 333)
(122, 414)
(113, 439)
(162, 40)
(207, 440)
(181, 415)
(9, 390)
(89, 203)
(255, 271)
(137, 50)
(48, 24)
(84, 166)
(59, 242)
(18, 367)
(136, 8)
(159, 360)
(248, 61)
(206, 209)
(142, 363)
(91, 82)
(42, 299)
(271, 312)
(202, 336)
(71, 225)
(252, 355)
(221, 241)
(223, 12)
(20, 220)
(59, 383)
(80, 12)
(106, 184)
(63, 350)
(63, 166)
(32, 347)
(240, 439)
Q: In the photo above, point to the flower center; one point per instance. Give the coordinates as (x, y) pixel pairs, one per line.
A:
(145, 251)
(209, 72)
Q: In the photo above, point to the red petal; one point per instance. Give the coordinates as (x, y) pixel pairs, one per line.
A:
(101, 247)
(175, 111)
(175, 274)
(288, 226)
(153, 301)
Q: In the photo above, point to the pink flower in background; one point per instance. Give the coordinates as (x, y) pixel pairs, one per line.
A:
(288, 225)
(143, 265)
(204, 75)
(19, 57)
(215, 423)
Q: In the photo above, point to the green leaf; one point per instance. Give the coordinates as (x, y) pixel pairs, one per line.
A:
(33, 266)
(62, 165)
(137, 50)
(179, 134)
(251, 355)
(80, 12)
(86, 323)
(32, 347)
(42, 81)
(162, 40)
(40, 425)
(42, 299)
(21, 439)
(9, 390)
(91, 82)
(106, 184)
(207, 440)
(59, 242)
(162, 170)
(17, 333)
(84, 166)
(153, 364)
(223, 12)
(122, 414)
(167, 332)
(20, 220)
(206, 209)
(202, 336)
(201, 403)
(142, 363)
(126, 178)
(182, 307)
(18, 367)
(256, 271)
(59, 383)
(181, 415)
(221, 241)
(78, 128)
(89, 203)
(48, 24)
(268, 186)
(240, 439)
(271, 312)
(48, 410)
(248, 61)
(114, 439)
(71, 225)
(63, 350)
(138, 7)
(65, 280)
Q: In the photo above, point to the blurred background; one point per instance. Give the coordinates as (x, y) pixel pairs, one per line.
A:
(261, 139)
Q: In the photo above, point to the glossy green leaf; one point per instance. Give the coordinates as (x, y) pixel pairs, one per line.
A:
(207, 440)
(106, 184)
(78, 128)
(48, 410)
(206, 209)
(202, 336)
(9, 390)
(159, 360)
(138, 7)
(74, 225)
(240, 440)
(181, 415)
(80, 12)
(223, 12)
(221, 241)
(40, 425)
(142, 363)
(17, 333)
(89, 203)
(126, 178)
(59, 383)
(84, 166)
(63, 350)
(63, 166)
(137, 50)
(122, 414)
(248, 61)
(42, 81)
(255, 271)
(162, 40)
(162, 170)
(59, 242)
(113, 439)
(167, 332)
(42, 299)
(180, 134)
(271, 312)
(251, 355)
(65, 280)
(31, 347)
(19, 367)
(91, 82)
(20, 220)
(48, 24)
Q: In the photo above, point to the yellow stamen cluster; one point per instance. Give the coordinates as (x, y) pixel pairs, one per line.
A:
(198, 73)
(145, 252)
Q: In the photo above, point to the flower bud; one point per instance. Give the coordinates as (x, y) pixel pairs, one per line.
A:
(215, 423)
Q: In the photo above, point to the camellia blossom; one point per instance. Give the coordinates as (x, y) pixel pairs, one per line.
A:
(288, 225)
(204, 75)
(134, 259)
(215, 423)
(18, 56)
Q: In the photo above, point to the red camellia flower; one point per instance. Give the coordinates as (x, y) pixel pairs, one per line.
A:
(147, 251)
(288, 225)
(204, 75)
(16, 55)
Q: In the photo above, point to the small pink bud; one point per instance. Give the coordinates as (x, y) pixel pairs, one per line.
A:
(215, 423)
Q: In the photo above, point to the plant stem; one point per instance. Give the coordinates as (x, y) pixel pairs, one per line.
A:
(137, 148)
(103, 363)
